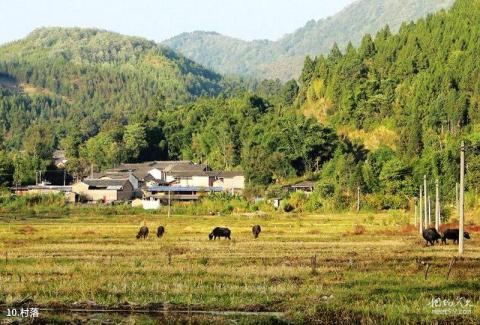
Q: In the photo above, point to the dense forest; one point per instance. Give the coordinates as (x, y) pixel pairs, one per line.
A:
(108, 99)
(284, 57)
(422, 85)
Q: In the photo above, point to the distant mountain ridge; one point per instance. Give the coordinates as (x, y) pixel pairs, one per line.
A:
(284, 58)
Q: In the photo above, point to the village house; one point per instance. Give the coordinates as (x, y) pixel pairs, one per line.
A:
(156, 180)
(233, 182)
(104, 190)
(305, 186)
(178, 193)
(119, 175)
(46, 188)
(153, 173)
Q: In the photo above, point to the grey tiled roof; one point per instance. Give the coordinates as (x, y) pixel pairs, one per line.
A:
(104, 183)
(304, 184)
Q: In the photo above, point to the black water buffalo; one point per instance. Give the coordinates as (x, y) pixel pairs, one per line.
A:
(219, 232)
(256, 230)
(143, 232)
(431, 235)
(160, 231)
(453, 234)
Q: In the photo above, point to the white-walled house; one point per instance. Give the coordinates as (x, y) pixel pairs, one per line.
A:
(230, 181)
(105, 190)
(182, 179)
(121, 175)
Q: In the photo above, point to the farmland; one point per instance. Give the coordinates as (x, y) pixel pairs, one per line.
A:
(368, 267)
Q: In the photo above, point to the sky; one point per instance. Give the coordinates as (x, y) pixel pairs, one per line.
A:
(161, 19)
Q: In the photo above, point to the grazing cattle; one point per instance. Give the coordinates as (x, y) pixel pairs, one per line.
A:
(453, 234)
(219, 232)
(431, 236)
(143, 232)
(256, 230)
(160, 231)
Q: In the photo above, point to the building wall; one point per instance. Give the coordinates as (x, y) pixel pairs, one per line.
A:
(102, 195)
(126, 193)
(94, 195)
(202, 181)
(134, 181)
(80, 188)
(157, 174)
(231, 183)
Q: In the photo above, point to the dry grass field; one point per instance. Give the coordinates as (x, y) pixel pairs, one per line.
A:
(368, 268)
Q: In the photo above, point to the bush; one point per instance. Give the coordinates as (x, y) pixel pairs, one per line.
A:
(37, 202)
(212, 204)
(314, 202)
(298, 201)
(380, 202)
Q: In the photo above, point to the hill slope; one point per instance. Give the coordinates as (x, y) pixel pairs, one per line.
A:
(284, 58)
(102, 69)
(420, 88)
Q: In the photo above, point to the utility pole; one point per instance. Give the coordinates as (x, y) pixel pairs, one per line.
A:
(64, 177)
(437, 205)
(169, 203)
(420, 219)
(91, 171)
(358, 199)
(429, 210)
(457, 202)
(425, 201)
(462, 189)
(415, 213)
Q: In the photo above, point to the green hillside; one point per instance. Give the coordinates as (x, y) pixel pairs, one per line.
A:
(71, 78)
(417, 91)
(284, 58)
(104, 69)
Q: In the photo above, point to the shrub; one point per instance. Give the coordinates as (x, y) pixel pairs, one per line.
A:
(298, 201)
(380, 202)
(39, 202)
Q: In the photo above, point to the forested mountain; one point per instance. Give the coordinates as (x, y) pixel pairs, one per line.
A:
(105, 68)
(284, 58)
(422, 85)
(80, 78)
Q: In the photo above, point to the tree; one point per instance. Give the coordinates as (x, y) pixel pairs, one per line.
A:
(290, 92)
(6, 169)
(134, 141)
(79, 168)
(39, 142)
(308, 71)
(103, 151)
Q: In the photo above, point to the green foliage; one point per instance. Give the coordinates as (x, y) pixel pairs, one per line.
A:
(39, 142)
(6, 168)
(421, 84)
(13, 203)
